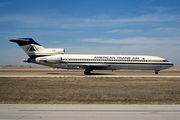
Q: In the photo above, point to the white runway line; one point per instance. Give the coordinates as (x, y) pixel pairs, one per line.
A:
(88, 112)
(83, 76)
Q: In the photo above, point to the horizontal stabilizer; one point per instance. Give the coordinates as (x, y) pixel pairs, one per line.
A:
(24, 41)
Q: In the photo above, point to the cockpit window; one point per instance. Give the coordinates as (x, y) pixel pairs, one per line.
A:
(165, 61)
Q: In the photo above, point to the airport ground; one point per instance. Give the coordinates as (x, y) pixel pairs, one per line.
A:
(46, 93)
(43, 85)
(41, 71)
(88, 112)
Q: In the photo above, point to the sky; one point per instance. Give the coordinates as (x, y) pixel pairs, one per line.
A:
(127, 27)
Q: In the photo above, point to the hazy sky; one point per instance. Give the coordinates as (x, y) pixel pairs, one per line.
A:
(143, 27)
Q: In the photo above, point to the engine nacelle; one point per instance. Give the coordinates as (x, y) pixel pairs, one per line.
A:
(53, 51)
(52, 59)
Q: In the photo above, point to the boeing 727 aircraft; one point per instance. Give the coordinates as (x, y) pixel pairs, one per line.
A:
(57, 59)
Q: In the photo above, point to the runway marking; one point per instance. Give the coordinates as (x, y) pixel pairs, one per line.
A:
(119, 111)
(115, 76)
(98, 112)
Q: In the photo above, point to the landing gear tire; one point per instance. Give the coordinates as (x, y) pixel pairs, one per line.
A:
(156, 72)
(87, 72)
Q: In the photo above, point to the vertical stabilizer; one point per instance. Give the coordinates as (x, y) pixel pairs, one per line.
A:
(31, 47)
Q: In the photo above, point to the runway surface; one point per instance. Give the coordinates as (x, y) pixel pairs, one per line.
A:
(88, 112)
(50, 72)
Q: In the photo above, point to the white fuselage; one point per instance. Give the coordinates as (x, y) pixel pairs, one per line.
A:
(106, 62)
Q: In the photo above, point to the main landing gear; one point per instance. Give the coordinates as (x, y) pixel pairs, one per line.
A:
(87, 71)
(156, 72)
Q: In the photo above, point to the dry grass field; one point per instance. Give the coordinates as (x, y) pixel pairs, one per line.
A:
(117, 90)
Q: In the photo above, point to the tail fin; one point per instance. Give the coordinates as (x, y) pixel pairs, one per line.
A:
(34, 49)
(31, 47)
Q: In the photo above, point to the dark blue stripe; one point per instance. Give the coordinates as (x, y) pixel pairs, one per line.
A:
(120, 63)
(34, 56)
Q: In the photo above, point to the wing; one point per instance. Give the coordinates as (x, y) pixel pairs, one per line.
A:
(90, 65)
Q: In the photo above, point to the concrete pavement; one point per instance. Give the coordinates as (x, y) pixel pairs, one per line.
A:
(88, 112)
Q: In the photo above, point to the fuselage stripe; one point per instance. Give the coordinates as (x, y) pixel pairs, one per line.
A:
(138, 63)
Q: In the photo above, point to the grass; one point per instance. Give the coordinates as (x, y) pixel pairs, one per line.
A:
(89, 90)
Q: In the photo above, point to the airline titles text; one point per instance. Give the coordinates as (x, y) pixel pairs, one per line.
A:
(116, 57)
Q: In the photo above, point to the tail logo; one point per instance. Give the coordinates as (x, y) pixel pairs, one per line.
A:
(32, 48)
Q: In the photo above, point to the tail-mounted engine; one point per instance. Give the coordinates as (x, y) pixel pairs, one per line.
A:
(50, 59)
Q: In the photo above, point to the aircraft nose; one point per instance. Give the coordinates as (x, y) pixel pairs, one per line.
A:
(171, 64)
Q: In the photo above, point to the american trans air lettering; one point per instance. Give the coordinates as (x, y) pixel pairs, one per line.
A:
(56, 58)
(116, 57)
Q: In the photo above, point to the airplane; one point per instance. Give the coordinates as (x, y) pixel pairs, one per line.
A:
(55, 57)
